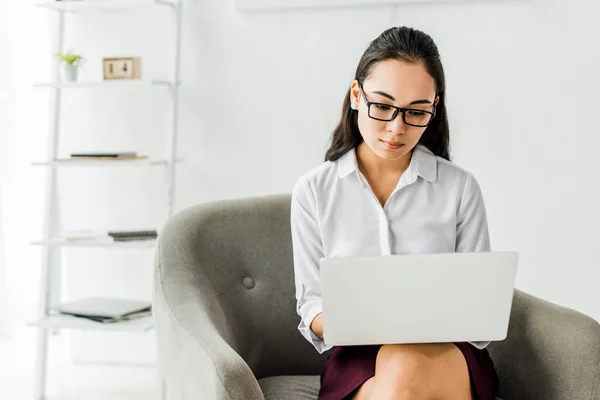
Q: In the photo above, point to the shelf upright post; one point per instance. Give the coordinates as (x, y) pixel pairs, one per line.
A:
(51, 262)
(171, 144)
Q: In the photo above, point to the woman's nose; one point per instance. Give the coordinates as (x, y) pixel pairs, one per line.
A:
(397, 125)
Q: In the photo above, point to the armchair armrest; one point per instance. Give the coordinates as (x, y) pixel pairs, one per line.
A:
(197, 356)
(551, 353)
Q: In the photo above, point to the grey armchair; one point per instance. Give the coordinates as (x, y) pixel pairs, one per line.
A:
(226, 322)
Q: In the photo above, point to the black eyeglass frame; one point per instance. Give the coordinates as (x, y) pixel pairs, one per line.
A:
(396, 110)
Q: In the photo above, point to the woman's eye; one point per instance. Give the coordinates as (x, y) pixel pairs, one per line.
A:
(418, 114)
(383, 107)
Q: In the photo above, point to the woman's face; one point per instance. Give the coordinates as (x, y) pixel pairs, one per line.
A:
(400, 84)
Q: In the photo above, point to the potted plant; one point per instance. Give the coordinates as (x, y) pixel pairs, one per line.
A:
(71, 63)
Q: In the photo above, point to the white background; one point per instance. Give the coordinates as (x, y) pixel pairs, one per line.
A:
(262, 92)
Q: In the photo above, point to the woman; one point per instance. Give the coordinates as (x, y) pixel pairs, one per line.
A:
(388, 187)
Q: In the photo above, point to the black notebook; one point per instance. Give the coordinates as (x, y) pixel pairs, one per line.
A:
(126, 154)
(106, 309)
(133, 234)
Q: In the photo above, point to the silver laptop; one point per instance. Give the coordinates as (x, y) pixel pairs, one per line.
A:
(457, 297)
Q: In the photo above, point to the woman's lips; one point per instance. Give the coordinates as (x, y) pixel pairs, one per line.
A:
(392, 145)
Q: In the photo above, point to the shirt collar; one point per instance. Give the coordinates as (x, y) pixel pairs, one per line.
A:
(347, 164)
(423, 164)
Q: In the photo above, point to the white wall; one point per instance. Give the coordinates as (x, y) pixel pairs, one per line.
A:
(4, 326)
(262, 92)
(22, 121)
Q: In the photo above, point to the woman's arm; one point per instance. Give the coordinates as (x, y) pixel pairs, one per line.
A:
(472, 228)
(317, 325)
(471, 223)
(307, 250)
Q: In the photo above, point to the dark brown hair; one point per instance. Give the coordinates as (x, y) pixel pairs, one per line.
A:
(408, 45)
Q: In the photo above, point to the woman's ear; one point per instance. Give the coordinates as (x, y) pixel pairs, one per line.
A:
(436, 101)
(354, 95)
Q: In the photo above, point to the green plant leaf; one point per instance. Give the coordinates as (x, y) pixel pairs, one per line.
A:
(70, 58)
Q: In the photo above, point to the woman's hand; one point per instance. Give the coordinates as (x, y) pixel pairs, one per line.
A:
(317, 325)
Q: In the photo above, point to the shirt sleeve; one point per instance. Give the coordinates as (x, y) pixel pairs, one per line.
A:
(472, 227)
(307, 251)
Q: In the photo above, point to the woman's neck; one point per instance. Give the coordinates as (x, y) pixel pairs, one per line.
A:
(370, 164)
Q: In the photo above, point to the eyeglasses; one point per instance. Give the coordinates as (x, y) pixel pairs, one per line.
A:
(386, 112)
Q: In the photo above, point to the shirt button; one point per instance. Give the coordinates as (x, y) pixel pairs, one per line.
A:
(249, 283)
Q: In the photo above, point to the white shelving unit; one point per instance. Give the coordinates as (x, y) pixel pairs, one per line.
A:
(52, 242)
(59, 242)
(134, 83)
(64, 321)
(105, 163)
(103, 5)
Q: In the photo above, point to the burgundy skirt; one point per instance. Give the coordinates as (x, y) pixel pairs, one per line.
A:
(347, 368)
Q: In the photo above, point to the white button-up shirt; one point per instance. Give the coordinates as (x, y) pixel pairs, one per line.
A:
(437, 207)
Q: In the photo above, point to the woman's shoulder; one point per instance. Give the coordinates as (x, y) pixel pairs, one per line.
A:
(453, 178)
(449, 171)
(316, 178)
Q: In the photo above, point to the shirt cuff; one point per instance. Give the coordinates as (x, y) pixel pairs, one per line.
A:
(480, 345)
(309, 311)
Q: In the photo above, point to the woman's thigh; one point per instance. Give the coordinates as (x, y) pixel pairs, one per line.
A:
(365, 391)
(436, 370)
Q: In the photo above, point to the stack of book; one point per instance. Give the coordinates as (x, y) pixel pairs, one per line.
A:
(124, 236)
(117, 156)
(115, 236)
(106, 310)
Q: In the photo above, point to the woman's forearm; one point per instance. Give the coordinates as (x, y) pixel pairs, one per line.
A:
(317, 325)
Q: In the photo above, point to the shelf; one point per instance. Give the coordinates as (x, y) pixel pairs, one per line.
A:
(104, 163)
(138, 244)
(68, 322)
(74, 6)
(271, 5)
(104, 396)
(105, 84)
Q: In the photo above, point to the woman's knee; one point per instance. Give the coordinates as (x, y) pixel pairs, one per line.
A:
(422, 371)
(408, 365)
(406, 357)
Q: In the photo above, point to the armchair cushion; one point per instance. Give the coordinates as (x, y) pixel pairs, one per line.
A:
(290, 387)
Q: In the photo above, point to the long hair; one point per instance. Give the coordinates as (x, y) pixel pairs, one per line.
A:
(411, 46)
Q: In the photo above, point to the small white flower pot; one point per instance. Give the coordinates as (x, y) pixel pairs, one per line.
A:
(70, 72)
